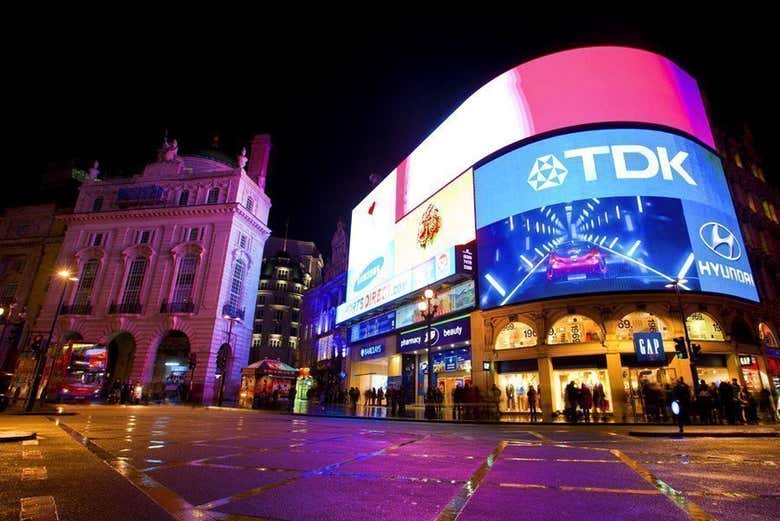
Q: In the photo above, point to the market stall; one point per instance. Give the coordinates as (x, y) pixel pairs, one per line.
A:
(266, 383)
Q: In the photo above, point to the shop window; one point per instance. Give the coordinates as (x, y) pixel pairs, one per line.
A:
(766, 335)
(574, 329)
(701, 326)
(640, 322)
(516, 334)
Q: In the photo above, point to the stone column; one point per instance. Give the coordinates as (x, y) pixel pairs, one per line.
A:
(615, 375)
(546, 382)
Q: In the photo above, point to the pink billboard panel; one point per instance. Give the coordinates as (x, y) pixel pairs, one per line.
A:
(566, 89)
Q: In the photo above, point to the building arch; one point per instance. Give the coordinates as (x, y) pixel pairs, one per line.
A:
(767, 335)
(574, 329)
(121, 354)
(170, 372)
(641, 322)
(515, 334)
(703, 326)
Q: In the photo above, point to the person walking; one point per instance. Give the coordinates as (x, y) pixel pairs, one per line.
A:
(586, 401)
(531, 396)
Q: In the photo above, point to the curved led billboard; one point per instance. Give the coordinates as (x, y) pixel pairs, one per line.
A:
(606, 210)
(565, 89)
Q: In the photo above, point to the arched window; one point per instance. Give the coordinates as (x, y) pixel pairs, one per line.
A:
(97, 204)
(182, 290)
(574, 329)
(86, 282)
(250, 204)
(701, 326)
(135, 279)
(640, 322)
(213, 196)
(237, 284)
(184, 198)
(516, 334)
(766, 335)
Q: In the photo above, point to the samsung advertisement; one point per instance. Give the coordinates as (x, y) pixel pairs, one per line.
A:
(606, 210)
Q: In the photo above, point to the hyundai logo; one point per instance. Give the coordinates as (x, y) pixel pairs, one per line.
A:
(721, 240)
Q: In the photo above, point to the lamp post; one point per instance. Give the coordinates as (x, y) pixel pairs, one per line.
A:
(691, 355)
(222, 357)
(428, 310)
(66, 276)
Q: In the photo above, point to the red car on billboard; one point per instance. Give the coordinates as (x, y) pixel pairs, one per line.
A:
(576, 260)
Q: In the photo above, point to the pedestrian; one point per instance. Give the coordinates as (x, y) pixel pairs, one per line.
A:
(586, 401)
(682, 393)
(380, 394)
(373, 396)
(704, 404)
(726, 394)
(531, 396)
(510, 397)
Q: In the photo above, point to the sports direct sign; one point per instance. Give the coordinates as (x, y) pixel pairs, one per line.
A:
(607, 210)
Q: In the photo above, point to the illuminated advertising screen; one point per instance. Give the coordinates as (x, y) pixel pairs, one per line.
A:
(565, 89)
(606, 210)
(388, 260)
(444, 220)
(372, 232)
(456, 298)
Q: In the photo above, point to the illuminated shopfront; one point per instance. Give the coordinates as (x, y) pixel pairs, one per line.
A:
(590, 370)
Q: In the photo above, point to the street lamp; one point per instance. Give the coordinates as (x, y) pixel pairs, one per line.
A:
(428, 310)
(66, 276)
(222, 356)
(676, 283)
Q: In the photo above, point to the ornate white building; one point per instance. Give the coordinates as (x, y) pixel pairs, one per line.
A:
(163, 259)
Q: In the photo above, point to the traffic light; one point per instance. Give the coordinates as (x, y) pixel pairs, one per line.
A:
(695, 351)
(679, 347)
(36, 343)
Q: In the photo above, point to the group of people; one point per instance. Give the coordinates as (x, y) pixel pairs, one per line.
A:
(712, 404)
(393, 398)
(579, 400)
(125, 392)
(517, 398)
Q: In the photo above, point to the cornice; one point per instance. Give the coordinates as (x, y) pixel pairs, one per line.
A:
(165, 212)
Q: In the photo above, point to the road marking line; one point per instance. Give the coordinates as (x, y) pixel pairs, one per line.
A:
(31, 454)
(327, 469)
(564, 460)
(38, 508)
(34, 473)
(677, 497)
(539, 435)
(457, 503)
(570, 488)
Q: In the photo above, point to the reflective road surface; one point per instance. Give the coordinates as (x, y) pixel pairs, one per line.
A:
(177, 462)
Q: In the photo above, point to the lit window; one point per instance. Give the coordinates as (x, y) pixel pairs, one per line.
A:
(574, 329)
(237, 284)
(135, 278)
(516, 334)
(182, 291)
(86, 281)
(701, 326)
(640, 322)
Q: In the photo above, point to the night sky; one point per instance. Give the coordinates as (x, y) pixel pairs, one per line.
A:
(341, 98)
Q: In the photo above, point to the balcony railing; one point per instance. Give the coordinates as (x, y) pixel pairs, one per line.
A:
(177, 307)
(232, 312)
(76, 309)
(130, 308)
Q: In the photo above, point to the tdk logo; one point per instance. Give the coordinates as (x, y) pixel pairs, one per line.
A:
(721, 240)
(546, 173)
(549, 172)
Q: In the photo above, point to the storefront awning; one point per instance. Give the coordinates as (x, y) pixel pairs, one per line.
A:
(271, 367)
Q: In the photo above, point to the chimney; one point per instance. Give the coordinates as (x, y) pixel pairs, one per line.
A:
(258, 159)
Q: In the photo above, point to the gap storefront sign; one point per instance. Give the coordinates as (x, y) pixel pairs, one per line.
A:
(649, 347)
(443, 333)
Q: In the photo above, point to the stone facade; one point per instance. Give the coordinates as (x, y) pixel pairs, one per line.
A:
(166, 255)
(290, 269)
(30, 242)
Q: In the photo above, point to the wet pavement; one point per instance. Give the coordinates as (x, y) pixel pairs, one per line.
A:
(178, 462)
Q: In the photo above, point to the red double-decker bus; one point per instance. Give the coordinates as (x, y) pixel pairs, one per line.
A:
(79, 372)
